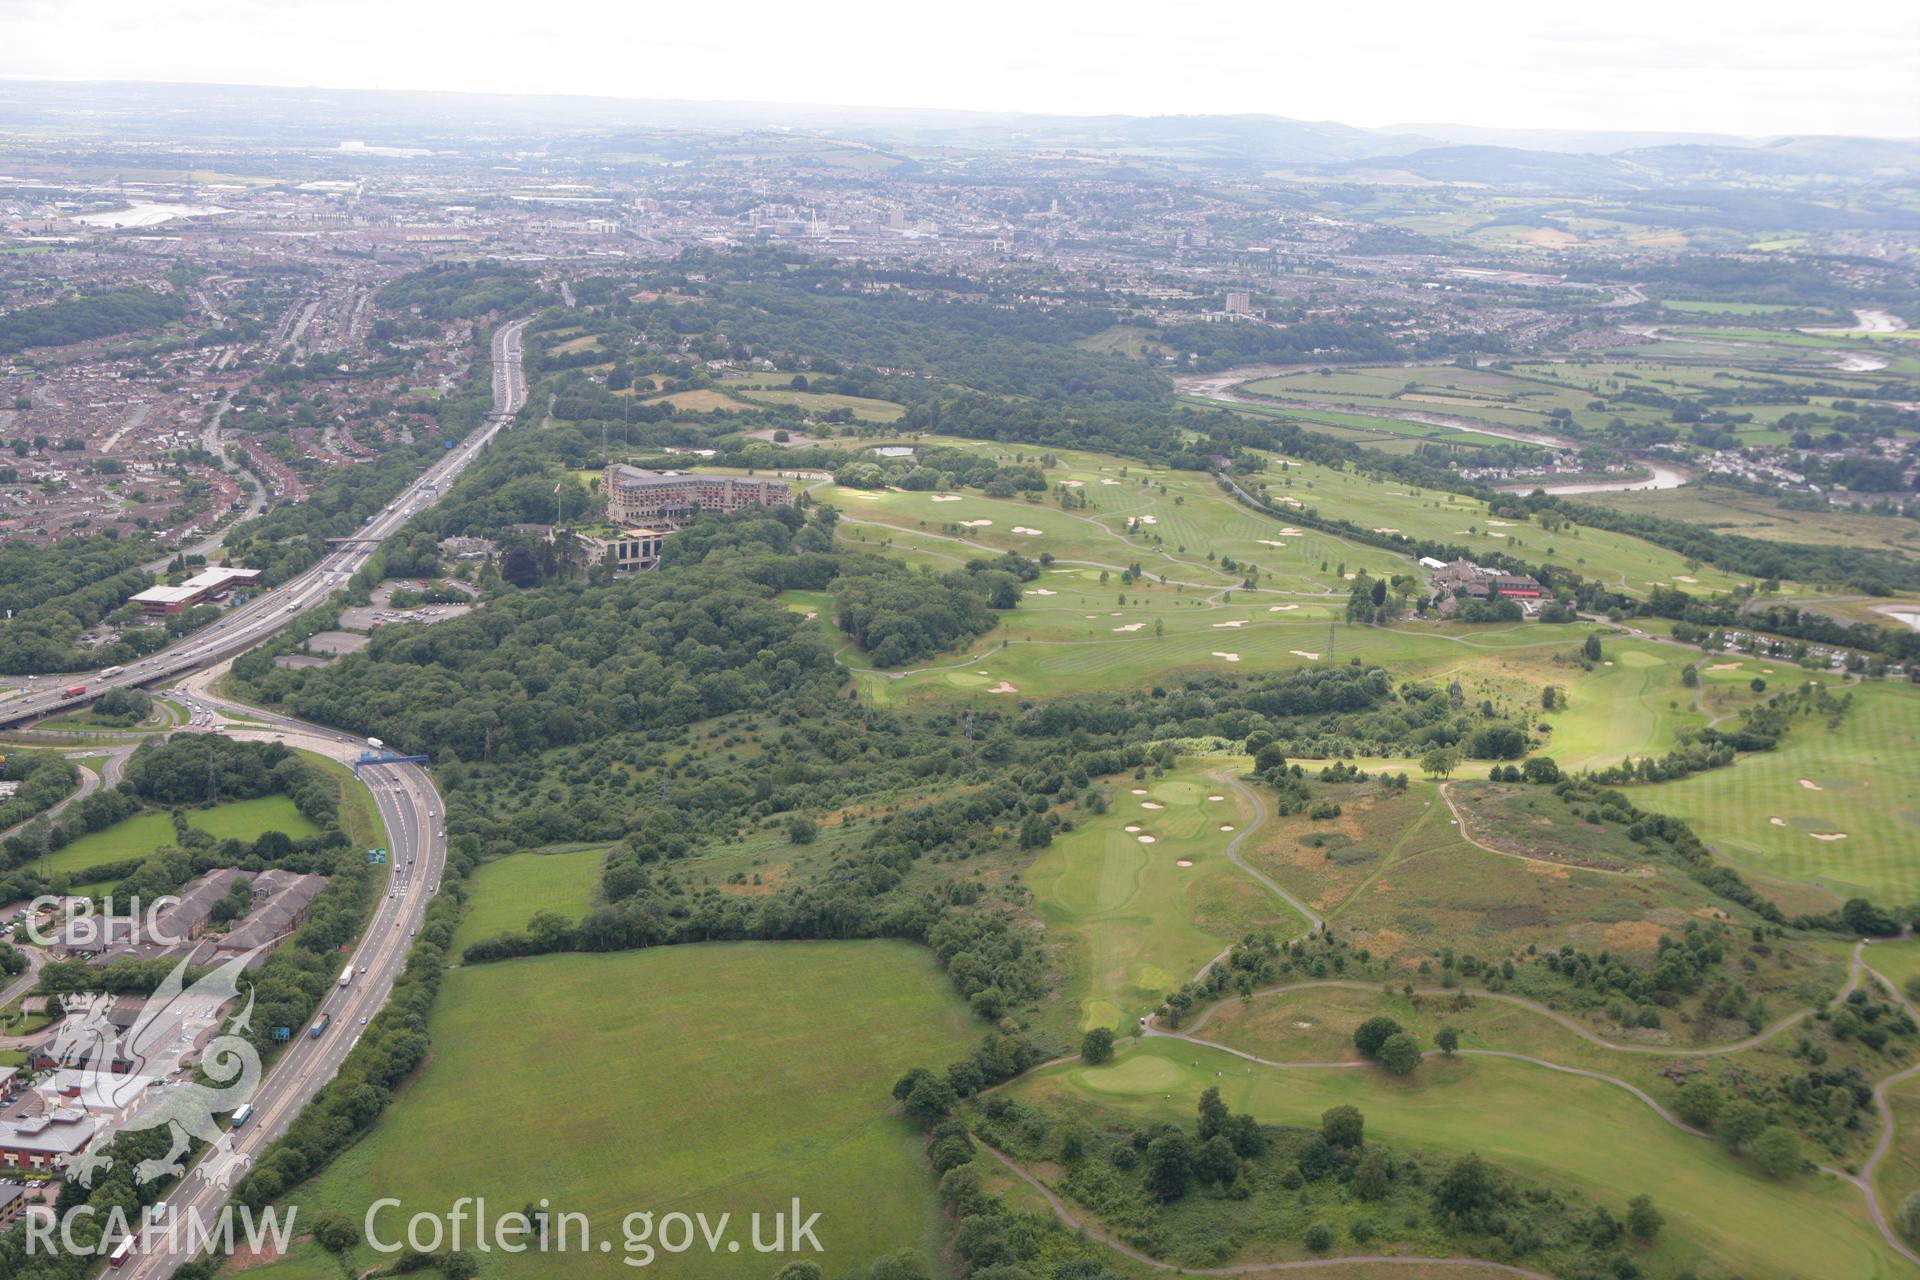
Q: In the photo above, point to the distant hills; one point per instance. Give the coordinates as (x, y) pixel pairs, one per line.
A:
(1558, 160)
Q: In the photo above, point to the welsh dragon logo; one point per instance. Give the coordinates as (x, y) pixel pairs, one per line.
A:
(87, 1042)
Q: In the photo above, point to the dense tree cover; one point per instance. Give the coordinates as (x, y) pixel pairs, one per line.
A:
(45, 779)
(939, 468)
(899, 616)
(122, 707)
(33, 575)
(211, 768)
(767, 302)
(55, 593)
(463, 291)
(1298, 337)
(86, 316)
(565, 665)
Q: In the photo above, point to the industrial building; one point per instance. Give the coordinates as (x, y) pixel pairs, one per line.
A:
(209, 584)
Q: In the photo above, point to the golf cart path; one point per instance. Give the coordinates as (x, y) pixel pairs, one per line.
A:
(1857, 969)
(1095, 1233)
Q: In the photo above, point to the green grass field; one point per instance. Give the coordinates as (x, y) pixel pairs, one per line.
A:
(1138, 921)
(863, 407)
(1760, 516)
(1723, 308)
(1632, 705)
(1721, 1214)
(717, 1078)
(144, 832)
(508, 891)
(1856, 781)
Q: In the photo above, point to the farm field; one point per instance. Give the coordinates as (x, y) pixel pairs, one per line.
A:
(506, 892)
(1723, 1217)
(1145, 894)
(1854, 785)
(861, 407)
(1757, 516)
(719, 1077)
(144, 832)
(1523, 396)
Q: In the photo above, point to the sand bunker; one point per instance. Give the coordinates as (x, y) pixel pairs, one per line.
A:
(1003, 687)
(1131, 626)
(1725, 666)
(1183, 862)
(1143, 520)
(1386, 531)
(1302, 653)
(946, 497)
(1109, 480)
(1040, 591)
(1229, 657)
(1216, 798)
(1492, 534)
(1811, 785)
(1139, 791)
(1226, 826)
(1031, 533)
(975, 524)
(1151, 804)
(1501, 524)
(1281, 608)
(1241, 623)
(1070, 484)
(1144, 839)
(1131, 830)
(1778, 822)
(1828, 835)
(867, 497)
(1681, 577)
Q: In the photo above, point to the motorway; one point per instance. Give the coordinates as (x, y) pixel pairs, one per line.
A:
(244, 627)
(409, 806)
(414, 817)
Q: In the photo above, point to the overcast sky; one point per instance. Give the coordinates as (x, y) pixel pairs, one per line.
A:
(1735, 66)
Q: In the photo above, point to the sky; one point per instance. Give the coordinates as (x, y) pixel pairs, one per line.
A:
(1751, 67)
